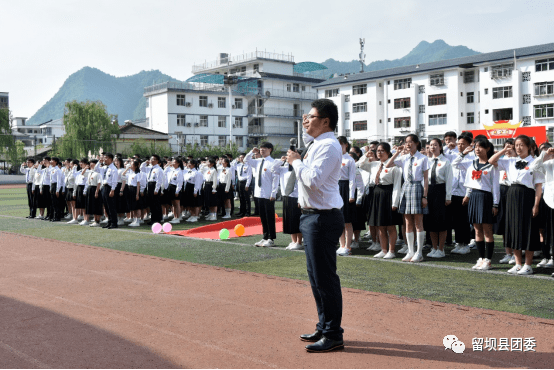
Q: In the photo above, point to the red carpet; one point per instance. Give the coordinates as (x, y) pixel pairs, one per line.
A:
(252, 226)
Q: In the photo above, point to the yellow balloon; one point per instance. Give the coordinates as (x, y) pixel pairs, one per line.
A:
(239, 230)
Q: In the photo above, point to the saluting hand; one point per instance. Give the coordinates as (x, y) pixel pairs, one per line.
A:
(292, 156)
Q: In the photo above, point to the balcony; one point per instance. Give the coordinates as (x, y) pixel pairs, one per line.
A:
(290, 94)
(277, 112)
(254, 130)
(501, 72)
(196, 86)
(229, 61)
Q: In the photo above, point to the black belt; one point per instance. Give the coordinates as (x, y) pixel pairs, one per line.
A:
(312, 211)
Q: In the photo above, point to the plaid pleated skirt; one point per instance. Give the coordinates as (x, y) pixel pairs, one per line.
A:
(410, 199)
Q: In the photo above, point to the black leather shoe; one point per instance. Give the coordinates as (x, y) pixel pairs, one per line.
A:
(239, 215)
(105, 226)
(112, 227)
(325, 345)
(314, 337)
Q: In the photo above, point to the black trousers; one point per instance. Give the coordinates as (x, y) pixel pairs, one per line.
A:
(460, 221)
(155, 206)
(47, 200)
(56, 202)
(244, 197)
(267, 214)
(109, 205)
(321, 233)
(256, 206)
(31, 200)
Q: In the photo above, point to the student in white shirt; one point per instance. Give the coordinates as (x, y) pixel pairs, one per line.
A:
(191, 196)
(359, 222)
(29, 172)
(155, 185)
(109, 185)
(413, 199)
(500, 224)
(244, 174)
(92, 194)
(132, 174)
(44, 193)
(56, 184)
(224, 188)
(439, 198)
(482, 182)
(175, 184)
(81, 175)
(267, 183)
(121, 190)
(522, 204)
(347, 189)
(211, 180)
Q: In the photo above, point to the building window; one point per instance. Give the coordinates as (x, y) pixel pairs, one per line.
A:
(401, 103)
(469, 76)
(303, 88)
(359, 126)
(346, 115)
(221, 102)
(388, 119)
(461, 93)
(222, 140)
(289, 87)
(402, 122)
(238, 122)
(544, 64)
(238, 103)
(256, 68)
(347, 98)
(422, 109)
(502, 71)
(478, 117)
(437, 119)
(436, 79)
(469, 96)
(526, 98)
(470, 118)
(331, 93)
(544, 111)
(486, 111)
(403, 83)
(222, 121)
(422, 89)
(439, 99)
(380, 102)
(486, 91)
(180, 99)
(486, 69)
(544, 88)
(526, 120)
(526, 76)
(203, 121)
(359, 107)
(203, 102)
(295, 87)
(238, 141)
(180, 120)
(359, 89)
(502, 92)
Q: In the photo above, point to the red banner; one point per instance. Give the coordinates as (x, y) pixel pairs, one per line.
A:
(505, 130)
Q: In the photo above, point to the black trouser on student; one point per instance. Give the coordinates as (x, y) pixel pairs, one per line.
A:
(460, 221)
(109, 205)
(267, 215)
(244, 197)
(155, 206)
(47, 201)
(256, 206)
(56, 202)
(31, 200)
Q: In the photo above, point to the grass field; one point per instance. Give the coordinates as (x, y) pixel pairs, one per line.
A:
(449, 280)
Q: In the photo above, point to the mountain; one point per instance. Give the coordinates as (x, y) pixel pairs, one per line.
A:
(121, 95)
(424, 52)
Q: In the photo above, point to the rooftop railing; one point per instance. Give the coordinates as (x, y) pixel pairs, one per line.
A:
(290, 94)
(277, 131)
(229, 60)
(280, 112)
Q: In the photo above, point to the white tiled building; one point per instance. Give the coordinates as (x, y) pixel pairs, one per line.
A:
(267, 104)
(451, 95)
(43, 134)
(4, 100)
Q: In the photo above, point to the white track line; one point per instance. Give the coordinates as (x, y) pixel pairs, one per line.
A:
(24, 356)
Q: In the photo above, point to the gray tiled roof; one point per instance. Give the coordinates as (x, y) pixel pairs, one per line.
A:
(442, 64)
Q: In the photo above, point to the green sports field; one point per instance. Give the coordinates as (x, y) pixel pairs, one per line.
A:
(449, 280)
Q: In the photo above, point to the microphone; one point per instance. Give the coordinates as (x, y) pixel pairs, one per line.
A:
(293, 143)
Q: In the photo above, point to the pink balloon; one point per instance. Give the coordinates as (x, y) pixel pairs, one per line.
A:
(167, 227)
(156, 228)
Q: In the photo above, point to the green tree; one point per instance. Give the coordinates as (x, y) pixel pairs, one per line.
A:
(8, 149)
(88, 126)
(146, 149)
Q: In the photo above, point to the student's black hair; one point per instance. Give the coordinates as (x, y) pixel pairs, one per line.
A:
(386, 147)
(75, 161)
(450, 134)
(56, 159)
(468, 139)
(226, 161)
(439, 142)
(228, 155)
(527, 141)
(414, 138)
(344, 140)
(95, 161)
(267, 145)
(545, 145)
(357, 150)
(244, 154)
(48, 159)
(374, 143)
(194, 162)
(354, 156)
(84, 160)
(157, 157)
(119, 155)
(109, 155)
(326, 108)
(69, 159)
(137, 155)
(483, 142)
(212, 161)
(179, 162)
(136, 164)
(480, 137)
(32, 160)
(120, 160)
(510, 141)
(468, 133)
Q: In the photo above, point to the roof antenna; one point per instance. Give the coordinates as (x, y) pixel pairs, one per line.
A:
(362, 55)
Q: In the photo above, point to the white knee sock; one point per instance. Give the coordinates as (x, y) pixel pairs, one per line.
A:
(410, 242)
(420, 241)
(228, 211)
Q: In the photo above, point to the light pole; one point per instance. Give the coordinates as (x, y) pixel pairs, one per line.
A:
(230, 81)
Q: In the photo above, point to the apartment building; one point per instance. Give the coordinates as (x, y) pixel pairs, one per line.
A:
(450, 95)
(4, 100)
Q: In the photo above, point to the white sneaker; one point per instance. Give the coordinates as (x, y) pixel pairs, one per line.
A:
(260, 243)
(525, 270)
(128, 220)
(432, 253)
(408, 257)
(536, 254)
(512, 260)
(506, 259)
(297, 247)
(84, 223)
(175, 220)
(418, 257)
(464, 250)
(439, 254)
(134, 224)
(80, 218)
(514, 269)
(212, 218)
(389, 256)
(550, 263)
(268, 243)
(68, 217)
(345, 252)
(73, 222)
(340, 250)
(375, 247)
(290, 245)
(148, 217)
(140, 221)
(472, 244)
(94, 224)
(355, 245)
(404, 249)
(192, 219)
(380, 255)
(104, 222)
(486, 265)
(120, 222)
(478, 264)
(542, 263)
(457, 248)
(226, 216)
(170, 214)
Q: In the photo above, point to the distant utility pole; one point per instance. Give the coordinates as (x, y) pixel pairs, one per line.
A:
(362, 55)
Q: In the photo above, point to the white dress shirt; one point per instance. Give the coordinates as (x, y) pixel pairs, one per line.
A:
(133, 178)
(525, 176)
(244, 173)
(269, 181)
(419, 165)
(225, 175)
(56, 176)
(284, 175)
(29, 173)
(488, 181)
(212, 175)
(318, 175)
(388, 176)
(175, 177)
(110, 176)
(156, 175)
(443, 172)
(348, 172)
(94, 179)
(459, 174)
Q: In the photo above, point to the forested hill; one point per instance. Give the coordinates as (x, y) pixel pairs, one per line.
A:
(121, 95)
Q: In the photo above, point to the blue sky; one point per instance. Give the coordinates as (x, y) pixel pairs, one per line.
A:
(45, 41)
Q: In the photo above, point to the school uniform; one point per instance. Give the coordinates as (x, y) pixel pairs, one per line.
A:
(188, 190)
(359, 222)
(165, 197)
(440, 191)
(133, 182)
(521, 232)
(108, 184)
(143, 201)
(211, 180)
(362, 215)
(224, 187)
(547, 168)
(121, 199)
(155, 185)
(45, 190)
(387, 183)
(175, 184)
(244, 177)
(56, 185)
(289, 190)
(267, 183)
(347, 187)
(412, 190)
(80, 182)
(93, 206)
(500, 224)
(29, 179)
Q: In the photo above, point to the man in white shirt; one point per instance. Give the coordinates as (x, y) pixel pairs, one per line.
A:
(244, 175)
(266, 191)
(29, 172)
(108, 191)
(155, 184)
(322, 221)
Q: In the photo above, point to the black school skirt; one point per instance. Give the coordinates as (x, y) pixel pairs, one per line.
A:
(80, 200)
(93, 205)
(69, 195)
(187, 195)
(479, 209)
(521, 232)
(291, 215)
(435, 219)
(132, 202)
(223, 196)
(361, 215)
(210, 199)
(381, 213)
(348, 209)
(500, 225)
(543, 209)
(549, 226)
(121, 200)
(170, 194)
